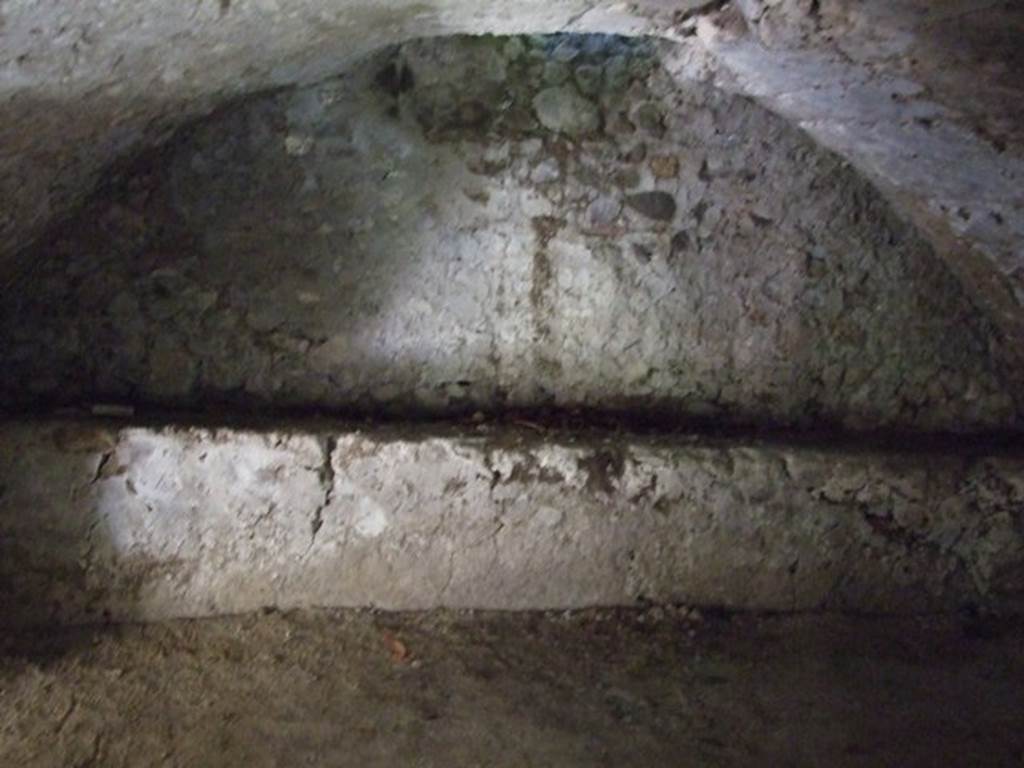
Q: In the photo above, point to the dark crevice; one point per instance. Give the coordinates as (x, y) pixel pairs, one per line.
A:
(550, 425)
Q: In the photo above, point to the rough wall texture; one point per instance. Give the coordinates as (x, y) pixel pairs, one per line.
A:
(622, 238)
(919, 96)
(85, 83)
(149, 523)
(925, 98)
(482, 223)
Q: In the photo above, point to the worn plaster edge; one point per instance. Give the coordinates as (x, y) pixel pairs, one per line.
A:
(944, 181)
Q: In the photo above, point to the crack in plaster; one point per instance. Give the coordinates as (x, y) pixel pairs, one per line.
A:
(325, 474)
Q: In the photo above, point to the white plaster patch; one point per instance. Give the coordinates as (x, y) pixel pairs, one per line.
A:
(371, 519)
(549, 517)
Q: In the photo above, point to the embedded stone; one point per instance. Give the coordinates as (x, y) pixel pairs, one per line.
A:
(660, 206)
(603, 212)
(566, 110)
(588, 78)
(649, 117)
(664, 166)
(556, 73)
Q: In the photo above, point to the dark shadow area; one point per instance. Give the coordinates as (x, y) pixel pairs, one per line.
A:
(54, 539)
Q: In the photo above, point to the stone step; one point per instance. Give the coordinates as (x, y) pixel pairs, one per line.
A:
(103, 520)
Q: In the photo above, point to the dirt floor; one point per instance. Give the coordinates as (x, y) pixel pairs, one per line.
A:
(649, 688)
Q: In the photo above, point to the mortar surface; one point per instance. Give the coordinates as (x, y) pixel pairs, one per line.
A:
(147, 522)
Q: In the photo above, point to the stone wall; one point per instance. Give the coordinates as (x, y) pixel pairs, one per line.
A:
(99, 521)
(471, 224)
(921, 97)
(443, 227)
